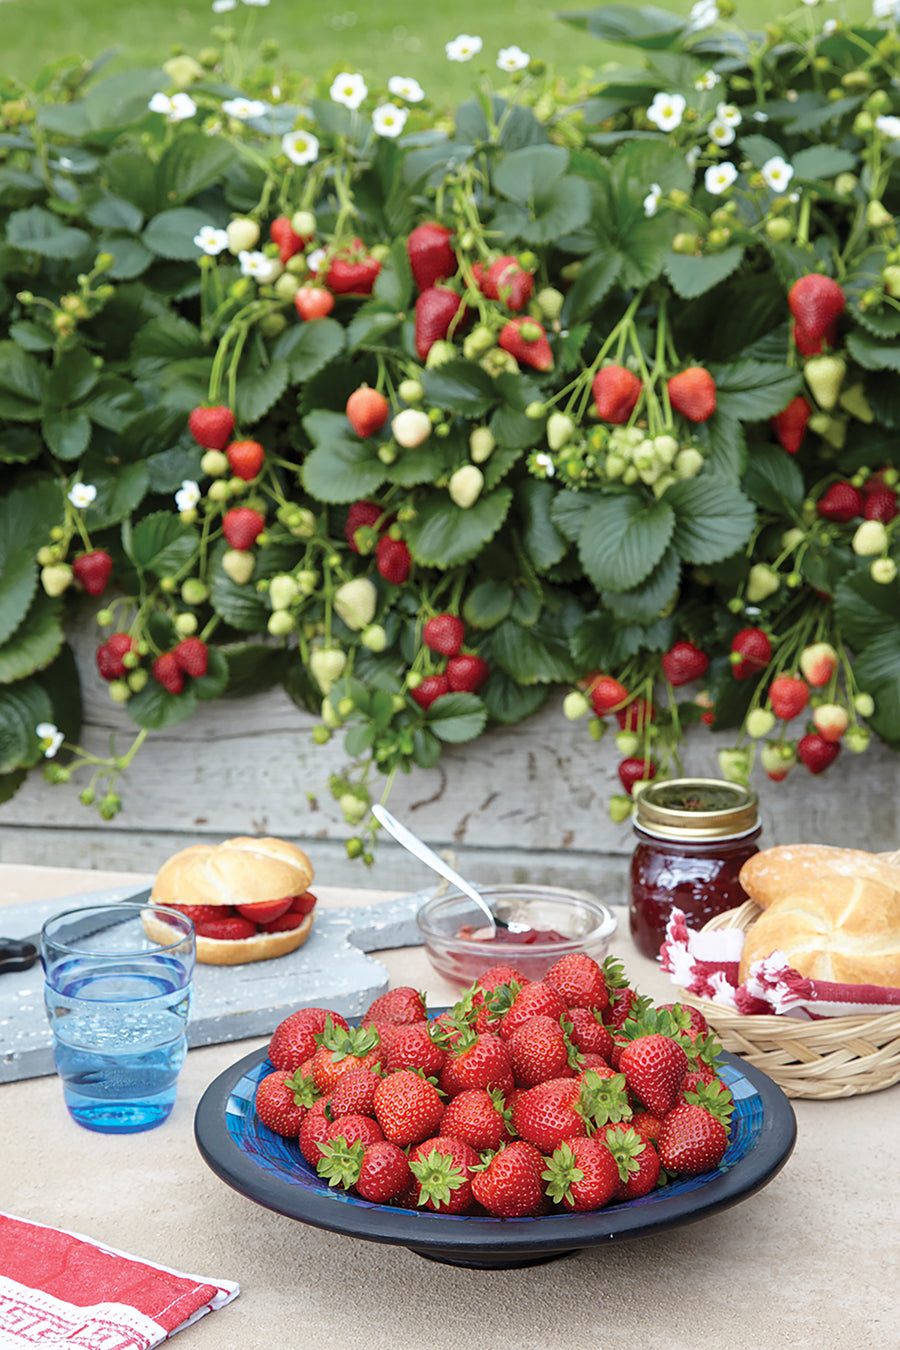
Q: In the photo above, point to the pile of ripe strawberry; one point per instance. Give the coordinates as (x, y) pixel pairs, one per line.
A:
(526, 1098)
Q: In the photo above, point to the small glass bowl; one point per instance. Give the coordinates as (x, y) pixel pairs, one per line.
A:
(585, 925)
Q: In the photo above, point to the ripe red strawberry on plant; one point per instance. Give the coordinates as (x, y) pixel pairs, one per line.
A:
(438, 309)
(367, 411)
(684, 662)
(790, 424)
(606, 694)
(788, 696)
(192, 656)
(430, 253)
(841, 503)
(814, 346)
(616, 391)
(693, 393)
(467, 672)
(444, 634)
(506, 280)
(362, 515)
(242, 526)
(635, 770)
(313, 302)
(527, 341)
(816, 301)
(245, 458)
(816, 753)
(93, 570)
(880, 504)
(212, 427)
(167, 672)
(352, 271)
(288, 241)
(430, 688)
(392, 558)
(110, 653)
(753, 650)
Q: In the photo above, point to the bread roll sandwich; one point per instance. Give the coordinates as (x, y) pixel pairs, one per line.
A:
(834, 913)
(249, 899)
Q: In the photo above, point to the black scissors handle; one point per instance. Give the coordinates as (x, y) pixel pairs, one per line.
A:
(18, 953)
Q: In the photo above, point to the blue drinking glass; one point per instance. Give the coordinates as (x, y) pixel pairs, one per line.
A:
(117, 989)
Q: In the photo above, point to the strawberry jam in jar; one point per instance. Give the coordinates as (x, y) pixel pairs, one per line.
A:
(694, 835)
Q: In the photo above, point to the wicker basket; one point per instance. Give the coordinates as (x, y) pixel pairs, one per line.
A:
(834, 1057)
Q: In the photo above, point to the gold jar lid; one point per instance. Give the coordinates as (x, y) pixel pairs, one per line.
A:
(696, 808)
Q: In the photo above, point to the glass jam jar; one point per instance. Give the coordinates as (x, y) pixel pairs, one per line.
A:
(694, 835)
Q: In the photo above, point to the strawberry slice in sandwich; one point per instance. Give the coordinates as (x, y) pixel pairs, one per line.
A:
(248, 899)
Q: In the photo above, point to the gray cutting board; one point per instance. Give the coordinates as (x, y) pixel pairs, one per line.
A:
(231, 1003)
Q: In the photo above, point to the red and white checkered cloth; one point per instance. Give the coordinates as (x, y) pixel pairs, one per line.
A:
(60, 1289)
(706, 964)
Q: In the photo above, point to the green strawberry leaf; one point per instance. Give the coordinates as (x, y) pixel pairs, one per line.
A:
(644, 604)
(309, 347)
(713, 518)
(161, 543)
(774, 480)
(426, 746)
(538, 654)
(508, 702)
(154, 707)
(871, 354)
(596, 278)
(67, 433)
(215, 682)
(35, 641)
(542, 541)
(623, 537)
(488, 603)
(21, 384)
(754, 390)
(522, 175)
(877, 672)
(341, 467)
(171, 233)
(22, 707)
(444, 535)
(253, 667)
(865, 609)
(692, 276)
(460, 387)
(456, 718)
(259, 388)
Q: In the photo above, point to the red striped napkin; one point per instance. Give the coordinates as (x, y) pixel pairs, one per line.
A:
(61, 1289)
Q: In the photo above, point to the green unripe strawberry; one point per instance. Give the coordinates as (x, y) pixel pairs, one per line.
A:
(465, 485)
(326, 665)
(878, 216)
(352, 809)
(439, 354)
(735, 764)
(119, 691)
(280, 623)
(186, 625)
(410, 391)
(864, 705)
(283, 591)
(330, 715)
(243, 234)
(56, 578)
(194, 591)
(307, 581)
(825, 375)
(615, 465)
(374, 638)
(759, 722)
(477, 342)
(218, 491)
(47, 556)
(779, 229)
(575, 705)
(891, 278)
(481, 444)
(286, 286)
(627, 743)
(665, 448)
(687, 463)
(238, 565)
(355, 602)
(620, 807)
(549, 302)
(871, 538)
(303, 223)
(762, 581)
(183, 70)
(857, 739)
(321, 735)
(853, 400)
(137, 680)
(883, 570)
(560, 429)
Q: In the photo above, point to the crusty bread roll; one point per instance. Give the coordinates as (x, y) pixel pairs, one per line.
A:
(237, 872)
(833, 913)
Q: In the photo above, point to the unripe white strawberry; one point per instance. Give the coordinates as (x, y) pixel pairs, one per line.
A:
(735, 764)
(883, 570)
(411, 427)
(326, 665)
(119, 691)
(791, 538)
(759, 722)
(627, 743)
(243, 234)
(286, 286)
(550, 302)
(665, 448)
(831, 721)
(307, 581)
(280, 623)
(303, 223)
(575, 705)
(825, 375)
(238, 564)
(620, 807)
(560, 429)
(330, 715)
(762, 581)
(818, 662)
(352, 808)
(481, 444)
(864, 705)
(410, 391)
(355, 602)
(465, 485)
(374, 638)
(778, 759)
(56, 578)
(688, 462)
(857, 739)
(440, 353)
(186, 625)
(283, 591)
(870, 539)
(853, 400)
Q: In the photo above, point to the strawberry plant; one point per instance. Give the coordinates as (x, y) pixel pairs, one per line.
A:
(587, 385)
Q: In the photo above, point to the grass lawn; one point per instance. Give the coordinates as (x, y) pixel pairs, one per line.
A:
(391, 37)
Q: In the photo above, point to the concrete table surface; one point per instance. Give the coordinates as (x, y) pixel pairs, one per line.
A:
(811, 1259)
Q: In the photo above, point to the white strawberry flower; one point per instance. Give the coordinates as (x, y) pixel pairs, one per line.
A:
(720, 132)
(544, 464)
(651, 201)
(174, 107)
(50, 736)
(512, 59)
(405, 87)
(258, 265)
(211, 241)
(315, 260)
(885, 9)
(829, 27)
(708, 80)
(691, 157)
(301, 147)
(389, 120)
(348, 89)
(223, 6)
(729, 114)
(704, 14)
(81, 495)
(258, 4)
(777, 173)
(666, 111)
(463, 48)
(719, 177)
(244, 108)
(888, 126)
(188, 495)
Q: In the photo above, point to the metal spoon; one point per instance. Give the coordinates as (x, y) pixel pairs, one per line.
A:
(427, 855)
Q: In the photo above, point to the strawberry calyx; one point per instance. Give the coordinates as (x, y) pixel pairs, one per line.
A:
(438, 1176)
(602, 1101)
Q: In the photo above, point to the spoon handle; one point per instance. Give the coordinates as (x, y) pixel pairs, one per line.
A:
(427, 855)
